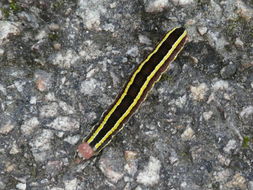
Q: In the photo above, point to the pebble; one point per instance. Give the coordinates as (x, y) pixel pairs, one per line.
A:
(50, 110)
(111, 166)
(239, 43)
(156, 5)
(41, 145)
(198, 92)
(57, 46)
(182, 2)
(88, 86)
(71, 184)
(65, 59)
(131, 166)
(29, 126)
(144, 40)
(14, 148)
(64, 123)
(222, 176)
(1, 52)
(231, 145)
(133, 51)
(21, 186)
(202, 30)
(228, 71)
(8, 29)
(33, 100)
(6, 125)
(207, 115)
(220, 85)
(43, 80)
(247, 115)
(67, 109)
(244, 11)
(188, 134)
(72, 139)
(54, 27)
(91, 14)
(150, 175)
(238, 181)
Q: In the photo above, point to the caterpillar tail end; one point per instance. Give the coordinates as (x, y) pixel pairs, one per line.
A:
(85, 150)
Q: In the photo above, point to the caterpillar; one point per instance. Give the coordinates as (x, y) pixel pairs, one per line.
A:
(141, 81)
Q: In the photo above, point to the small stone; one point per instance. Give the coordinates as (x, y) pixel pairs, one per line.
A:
(8, 29)
(43, 80)
(202, 30)
(243, 10)
(239, 43)
(66, 108)
(238, 181)
(65, 59)
(150, 175)
(57, 46)
(182, 2)
(29, 126)
(71, 184)
(64, 123)
(247, 115)
(220, 85)
(21, 186)
(109, 170)
(72, 139)
(156, 5)
(130, 155)
(144, 40)
(50, 110)
(33, 100)
(6, 126)
(54, 27)
(133, 52)
(223, 160)
(14, 148)
(198, 93)
(228, 71)
(131, 166)
(207, 115)
(231, 145)
(222, 176)
(188, 134)
(41, 145)
(89, 86)
(1, 52)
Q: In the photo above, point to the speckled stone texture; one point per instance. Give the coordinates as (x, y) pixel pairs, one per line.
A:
(62, 63)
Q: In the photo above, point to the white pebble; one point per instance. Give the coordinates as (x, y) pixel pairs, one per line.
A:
(49, 110)
(188, 134)
(231, 145)
(64, 123)
(207, 115)
(156, 6)
(150, 175)
(21, 186)
(29, 126)
(198, 93)
(239, 43)
(182, 2)
(88, 86)
(202, 30)
(1, 52)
